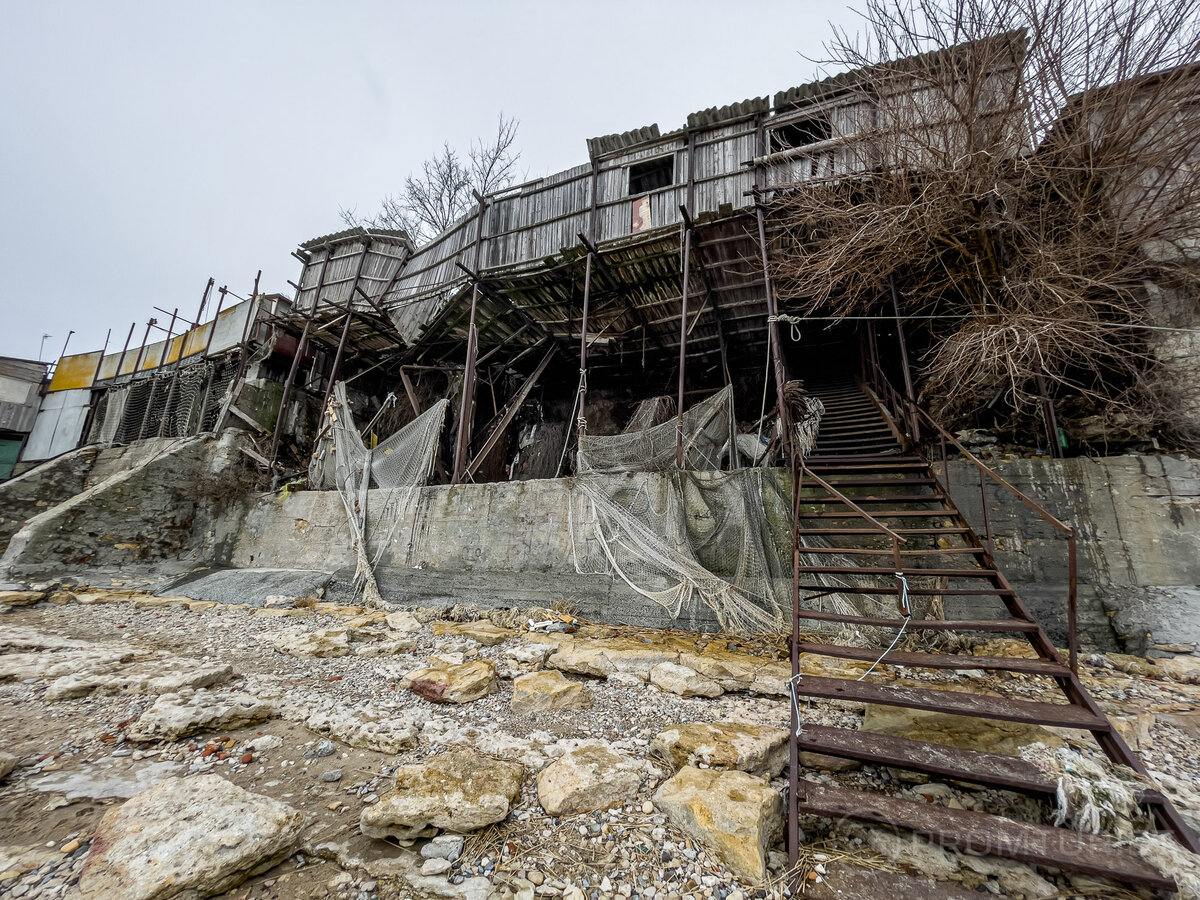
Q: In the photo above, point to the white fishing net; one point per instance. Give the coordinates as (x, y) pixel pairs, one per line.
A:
(705, 432)
(396, 465)
(689, 539)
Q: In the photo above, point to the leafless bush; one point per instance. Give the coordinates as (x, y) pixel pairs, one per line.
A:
(1023, 170)
(443, 191)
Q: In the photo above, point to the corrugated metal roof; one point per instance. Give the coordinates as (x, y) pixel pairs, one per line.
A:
(598, 146)
(357, 233)
(732, 112)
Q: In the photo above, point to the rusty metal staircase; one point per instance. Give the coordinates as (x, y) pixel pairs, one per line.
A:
(866, 495)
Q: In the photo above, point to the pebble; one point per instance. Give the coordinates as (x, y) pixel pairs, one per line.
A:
(323, 747)
(332, 775)
(435, 866)
(648, 808)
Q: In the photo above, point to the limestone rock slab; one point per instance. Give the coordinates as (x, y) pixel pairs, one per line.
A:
(166, 676)
(320, 644)
(459, 791)
(588, 778)
(755, 749)
(453, 683)
(482, 631)
(685, 682)
(734, 815)
(173, 716)
(964, 732)
(548, 691)
(367, 728)
(186, 837)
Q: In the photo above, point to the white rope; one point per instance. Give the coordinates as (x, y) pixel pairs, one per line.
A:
(794, 321)
(904, 608)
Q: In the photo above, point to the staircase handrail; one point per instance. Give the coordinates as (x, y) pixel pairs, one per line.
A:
(914, 414)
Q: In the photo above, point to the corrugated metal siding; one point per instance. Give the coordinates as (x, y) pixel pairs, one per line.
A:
(20, 387)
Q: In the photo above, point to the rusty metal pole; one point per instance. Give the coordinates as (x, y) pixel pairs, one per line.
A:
(793, 835)
(1049, 418)
(466, 410)
(300, 347)
(1072, 604)
(142, 350)
(204, 356)
(683, 323)
(203, 302)
(162, 423)
(908, 382)
(587, 293)
(125, 349)
(154, 382)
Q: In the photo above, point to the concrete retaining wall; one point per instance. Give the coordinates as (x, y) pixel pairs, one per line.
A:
(1138, 524)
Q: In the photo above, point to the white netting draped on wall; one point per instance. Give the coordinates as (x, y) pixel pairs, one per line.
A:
(397, 465)
(705, 432)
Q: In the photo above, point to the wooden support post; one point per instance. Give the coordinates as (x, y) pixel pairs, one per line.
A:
(1050, 419)
(466, 410)
(510, 412)
(411, 391)
(683, 329)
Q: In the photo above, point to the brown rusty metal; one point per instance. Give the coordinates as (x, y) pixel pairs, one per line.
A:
(683, 330)
(1009, 772)
(981, 833)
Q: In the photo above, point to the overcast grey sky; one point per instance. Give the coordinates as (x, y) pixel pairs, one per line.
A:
(147, 146)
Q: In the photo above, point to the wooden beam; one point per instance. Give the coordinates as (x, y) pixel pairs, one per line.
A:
(510, 412)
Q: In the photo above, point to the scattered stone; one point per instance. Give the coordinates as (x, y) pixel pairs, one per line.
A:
(173, 716)
(186, 836)
(404, 622)
(322, 643)
(1184, 669)
(534, 654)
(321, 749)
(332, 776)
(21, 598)
(588, 778)
(8, 762)
(548, 691)
(453, 683)
(685, 682)
(265, 742)
(756, 749)
(482, 631)
(736, 671)
(444, 846)
(735, 815)
(460, 791)
(435, 866)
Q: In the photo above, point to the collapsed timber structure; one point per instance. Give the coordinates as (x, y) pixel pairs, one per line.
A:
(618, 322)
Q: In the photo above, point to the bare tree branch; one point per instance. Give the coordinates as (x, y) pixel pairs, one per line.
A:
(1022, 170)
(441, 193)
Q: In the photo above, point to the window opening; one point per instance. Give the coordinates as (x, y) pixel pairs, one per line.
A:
(801, 133)
(651, 175)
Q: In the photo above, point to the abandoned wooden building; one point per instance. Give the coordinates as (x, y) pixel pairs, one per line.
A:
(595, 388)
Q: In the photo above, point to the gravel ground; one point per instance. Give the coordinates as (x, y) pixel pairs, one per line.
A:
(76, 763)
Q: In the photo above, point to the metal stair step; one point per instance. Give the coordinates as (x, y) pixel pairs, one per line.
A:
(1009, 772)
(975, 832)
(958, 703)
(1024, 665)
